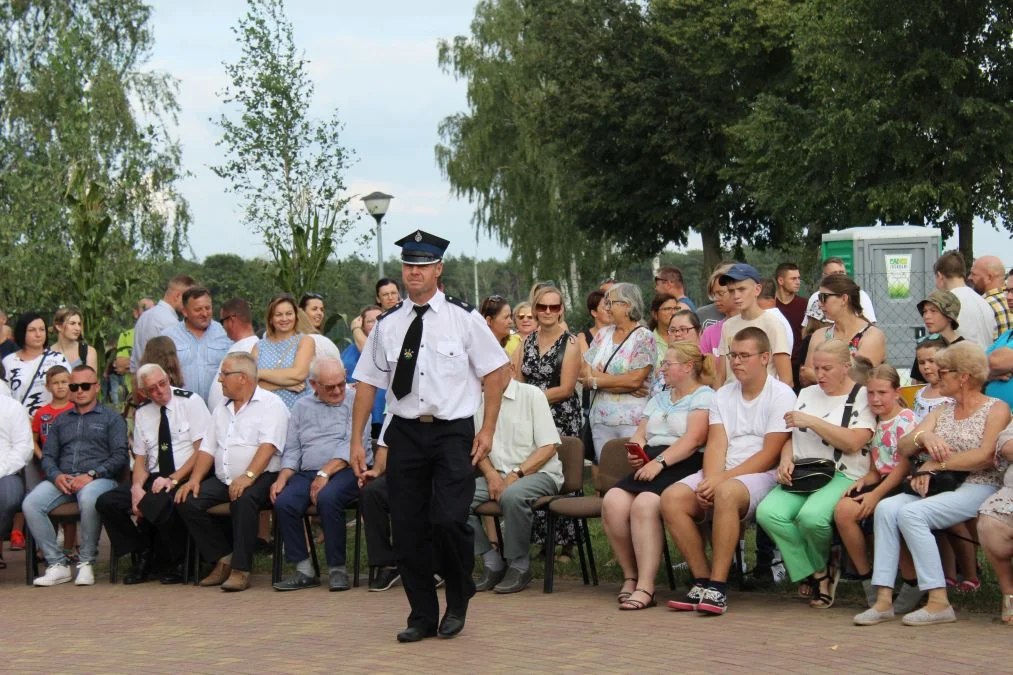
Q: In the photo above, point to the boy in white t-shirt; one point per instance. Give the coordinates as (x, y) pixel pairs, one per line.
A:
(747, 432)
(743, 284)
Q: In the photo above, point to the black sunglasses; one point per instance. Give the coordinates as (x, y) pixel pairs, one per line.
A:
(83, 386)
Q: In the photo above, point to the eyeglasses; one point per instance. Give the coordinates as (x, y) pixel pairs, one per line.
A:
(83, 386)
(226, 373)
(679, 330)
(227, 317)
(609, 302)
(333, 387)
(539, 307)
(941, 371)
(157, 385)
(823, 296)
(525, 317)
(666, 364)
(742, 356)
(668, 308)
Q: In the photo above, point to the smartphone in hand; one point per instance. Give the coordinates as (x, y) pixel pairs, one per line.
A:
(635, 449)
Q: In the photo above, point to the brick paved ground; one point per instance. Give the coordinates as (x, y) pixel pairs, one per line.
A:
(161, 629)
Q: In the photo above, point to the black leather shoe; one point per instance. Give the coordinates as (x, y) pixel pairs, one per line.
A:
(453, 622)
(173, 575)
(141, 570)
(414, 633)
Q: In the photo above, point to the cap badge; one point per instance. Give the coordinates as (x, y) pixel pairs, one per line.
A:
(418, 236)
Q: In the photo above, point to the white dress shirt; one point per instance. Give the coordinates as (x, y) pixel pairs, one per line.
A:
(245, 345)
(188, 423)
(233, 438)
(456, 352)
(16, 444)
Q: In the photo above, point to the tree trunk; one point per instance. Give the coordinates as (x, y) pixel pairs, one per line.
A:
(965, 238)
(711, 251)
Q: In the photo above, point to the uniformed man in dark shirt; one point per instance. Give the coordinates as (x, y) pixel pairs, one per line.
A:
(433, 354)
(84, 456)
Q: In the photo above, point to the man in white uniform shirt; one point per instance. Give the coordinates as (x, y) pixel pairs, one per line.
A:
(434, 355)
(168, 429)
(243, 446)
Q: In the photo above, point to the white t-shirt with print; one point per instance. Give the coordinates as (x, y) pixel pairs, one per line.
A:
(808, 444)
(31, 393)
(747, 422)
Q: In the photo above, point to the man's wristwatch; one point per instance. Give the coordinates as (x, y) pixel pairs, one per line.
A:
(93, 474)
(249, 474)
(660, 459)
(519, 471)
(323, 474)
(174, 482)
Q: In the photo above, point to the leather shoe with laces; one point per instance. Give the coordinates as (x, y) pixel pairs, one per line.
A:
(488, 579)
(453, 622)
(414, 633)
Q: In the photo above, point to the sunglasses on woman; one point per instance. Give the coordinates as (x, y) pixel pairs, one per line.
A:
(540, 307)
(823, 296)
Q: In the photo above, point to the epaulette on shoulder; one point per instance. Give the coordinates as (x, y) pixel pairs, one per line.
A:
(181, 392)
(391, 310)
(460, 303)
(141, 405)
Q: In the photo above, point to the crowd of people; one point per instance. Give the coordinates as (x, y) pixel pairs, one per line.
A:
(756, 407)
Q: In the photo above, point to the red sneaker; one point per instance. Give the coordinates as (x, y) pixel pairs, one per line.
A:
(17, 540)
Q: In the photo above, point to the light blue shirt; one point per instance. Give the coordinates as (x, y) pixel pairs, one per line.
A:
(152, 323)
(199, 359)
(318, 433)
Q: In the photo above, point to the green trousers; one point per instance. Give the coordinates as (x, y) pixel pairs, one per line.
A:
(801, 525)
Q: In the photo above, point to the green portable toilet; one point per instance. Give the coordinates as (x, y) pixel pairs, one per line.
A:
(893, 264)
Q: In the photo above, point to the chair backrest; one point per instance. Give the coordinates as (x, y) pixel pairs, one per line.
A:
(571, 456)
(612, 465)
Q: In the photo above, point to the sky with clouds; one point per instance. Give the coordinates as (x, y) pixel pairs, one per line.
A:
(375, 63)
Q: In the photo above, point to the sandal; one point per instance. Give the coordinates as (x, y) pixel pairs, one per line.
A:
(950, 582)
(969, 585)
(632, 604)
(625, 595)
(825, 600)
(805, 588)
(1007, 610)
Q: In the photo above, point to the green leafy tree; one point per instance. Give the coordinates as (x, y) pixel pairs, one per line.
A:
(76, 100)
(285, 167)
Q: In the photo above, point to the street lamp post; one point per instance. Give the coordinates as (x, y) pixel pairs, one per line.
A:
(377, 203)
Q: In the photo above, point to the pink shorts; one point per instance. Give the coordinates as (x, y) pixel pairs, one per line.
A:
(757, 485)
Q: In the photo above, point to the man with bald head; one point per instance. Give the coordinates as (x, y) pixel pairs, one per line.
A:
(988, 277)
(315, 470)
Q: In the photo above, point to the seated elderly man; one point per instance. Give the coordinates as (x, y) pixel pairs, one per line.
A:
(84, 455)
(168, 429)
(521, 467)
(243, 445)
(315, 470)
(744, 440)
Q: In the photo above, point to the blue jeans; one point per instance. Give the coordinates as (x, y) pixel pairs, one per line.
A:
(292, 503)
(46, 497)
(915, 518)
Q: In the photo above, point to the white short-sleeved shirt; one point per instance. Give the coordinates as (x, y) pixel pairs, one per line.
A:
(245, 345)
(16, 444)
(29, 392)
(789, 334)
(808, 444)
(457, 350)
(188, 423)
(233, 438)
(769, 324)
(524, 424)
(813, 309)
(667, 421)
(976, 318)
(151, 323)
(747, 422)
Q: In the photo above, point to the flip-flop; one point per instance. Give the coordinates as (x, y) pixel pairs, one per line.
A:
(632, 605)
(625, 595)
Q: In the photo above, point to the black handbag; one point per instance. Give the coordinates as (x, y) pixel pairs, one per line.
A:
(939, 482)
(585, 430)
(811, 474)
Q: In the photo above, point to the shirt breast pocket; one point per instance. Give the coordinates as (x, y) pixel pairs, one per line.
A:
(451, 359)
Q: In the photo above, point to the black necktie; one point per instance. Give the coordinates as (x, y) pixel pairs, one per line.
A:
(166, 462)
(405, 370)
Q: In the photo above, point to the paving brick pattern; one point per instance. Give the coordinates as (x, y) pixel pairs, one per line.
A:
(173, 629)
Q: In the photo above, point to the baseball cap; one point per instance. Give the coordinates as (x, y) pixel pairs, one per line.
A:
(740, 272)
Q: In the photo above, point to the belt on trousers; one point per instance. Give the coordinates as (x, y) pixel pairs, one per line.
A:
(426, 419)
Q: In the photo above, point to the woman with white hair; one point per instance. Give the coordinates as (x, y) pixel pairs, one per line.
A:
(616, 367)
(958, 443)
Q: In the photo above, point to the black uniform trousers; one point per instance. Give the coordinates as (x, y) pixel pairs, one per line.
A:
(160, 522)
(431, 483)
(217, 536)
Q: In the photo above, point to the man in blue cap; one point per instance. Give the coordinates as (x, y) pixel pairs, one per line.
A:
(433, 354)
(743, 283)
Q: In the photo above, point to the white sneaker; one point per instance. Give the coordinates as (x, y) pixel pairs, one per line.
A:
(55, 574)
(85, 575)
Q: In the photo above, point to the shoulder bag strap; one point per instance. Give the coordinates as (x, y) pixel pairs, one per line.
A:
(31, 382)
(849, 406)
(605, 367)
